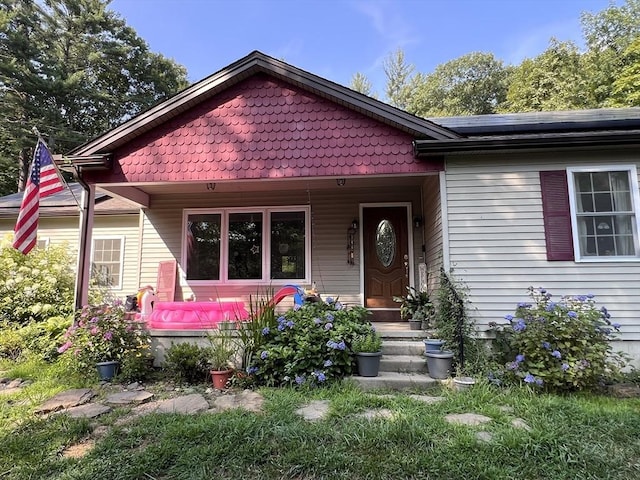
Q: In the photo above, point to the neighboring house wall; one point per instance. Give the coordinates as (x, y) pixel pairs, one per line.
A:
(497, 239)
(64, 231)
(332, 212)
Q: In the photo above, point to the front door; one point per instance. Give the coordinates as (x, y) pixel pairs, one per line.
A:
(386, 259)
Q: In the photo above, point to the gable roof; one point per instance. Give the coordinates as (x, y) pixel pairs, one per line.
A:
(255, 63)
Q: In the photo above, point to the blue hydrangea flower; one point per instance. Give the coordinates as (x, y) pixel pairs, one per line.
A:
(556, 354)
(328, 326)
(519, 326)
(332, 344)
(328, 363)
(565, 367)
(281, 319)
(330, 300)
(281, 327)
(513, 365)
(265, 331)
(590, 295)
(252, 370)
(339, 306)
(508, 317)
(341, 345)
(550, 306)
(529, 378)
(546, 345)
(264, 355)
(321, 377)
(329, 317)
(572, 314)
(290, 324)
(297, 306)
(520, 358)
(299, 379)
(616, 325)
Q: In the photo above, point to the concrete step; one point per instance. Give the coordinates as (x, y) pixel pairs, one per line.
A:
(417, 335)
(402, 347)
(396, 381)
(403, 363)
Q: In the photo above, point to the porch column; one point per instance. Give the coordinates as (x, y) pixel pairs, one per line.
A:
(84, 245)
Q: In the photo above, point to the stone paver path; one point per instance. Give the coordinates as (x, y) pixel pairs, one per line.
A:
(314, 410)
(128, 398)
(67, 399)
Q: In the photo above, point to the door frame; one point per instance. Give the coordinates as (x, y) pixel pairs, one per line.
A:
(408, 206)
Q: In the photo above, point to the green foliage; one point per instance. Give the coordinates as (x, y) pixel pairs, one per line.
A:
(310, 345)
(223, 349)
(261, 315)
(415, 305)
(558, 346)
(187, 362)
(370, 342)
(456, 328)
(37, 286)
(360, 83)
(473, 84)
(40, 339)
(400, 81)
(103, 333)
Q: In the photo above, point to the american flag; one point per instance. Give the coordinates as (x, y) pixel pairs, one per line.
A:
(43, 181)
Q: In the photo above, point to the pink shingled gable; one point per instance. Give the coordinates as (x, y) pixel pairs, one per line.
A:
(265, 128)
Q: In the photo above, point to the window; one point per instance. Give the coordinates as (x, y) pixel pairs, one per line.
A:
(258, 245)
(106, 266)
(43, 242)
(603, 212)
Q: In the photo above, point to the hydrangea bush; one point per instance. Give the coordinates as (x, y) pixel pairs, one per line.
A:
(104, 333)
(558, 345)
(309, 345)
(37, 286)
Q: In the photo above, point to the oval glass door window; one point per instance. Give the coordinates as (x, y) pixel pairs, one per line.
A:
(385, 242)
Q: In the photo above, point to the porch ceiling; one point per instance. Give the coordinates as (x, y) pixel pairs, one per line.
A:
(129, 191)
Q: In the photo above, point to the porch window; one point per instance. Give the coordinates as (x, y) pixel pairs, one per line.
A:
(106, 265)
(263, 245)
(604, 205)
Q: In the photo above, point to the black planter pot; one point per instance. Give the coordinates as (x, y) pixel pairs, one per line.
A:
(107, 370)
(368, 363)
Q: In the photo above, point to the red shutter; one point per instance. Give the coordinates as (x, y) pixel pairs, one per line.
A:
(557, 215)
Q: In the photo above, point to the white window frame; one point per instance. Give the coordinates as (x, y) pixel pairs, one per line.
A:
(43, 242)
(265, 248)
(635, 200)
(121, 260)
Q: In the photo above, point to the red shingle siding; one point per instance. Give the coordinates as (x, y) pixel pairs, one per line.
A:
(264, 128)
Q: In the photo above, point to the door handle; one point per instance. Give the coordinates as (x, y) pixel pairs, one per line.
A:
(406, 266)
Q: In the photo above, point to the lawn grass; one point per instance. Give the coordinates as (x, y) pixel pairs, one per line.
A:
(570, 437)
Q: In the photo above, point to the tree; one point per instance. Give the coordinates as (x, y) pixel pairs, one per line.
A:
(361, 84)
(79, 70)
(399, 76)
(472, 84)
(626, 88)
(554, 80)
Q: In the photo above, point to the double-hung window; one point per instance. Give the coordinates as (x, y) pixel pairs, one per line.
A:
(107, 261)
(258, 245)
(604, 212)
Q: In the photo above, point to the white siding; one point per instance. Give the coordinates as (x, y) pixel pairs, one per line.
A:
(332, 212)
(64, 231)
(497, 244)
(433, 229)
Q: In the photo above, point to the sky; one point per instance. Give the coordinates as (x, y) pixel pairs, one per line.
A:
(337, 38)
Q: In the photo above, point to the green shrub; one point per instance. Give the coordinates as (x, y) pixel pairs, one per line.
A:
(40, 339)
(558, 346)
(309, 345)
(36, 286)
(187, 362)
(367, 343)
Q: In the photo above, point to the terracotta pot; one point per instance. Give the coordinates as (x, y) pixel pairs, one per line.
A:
(220, 378)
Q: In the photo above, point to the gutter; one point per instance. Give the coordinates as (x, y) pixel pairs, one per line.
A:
(428, 148)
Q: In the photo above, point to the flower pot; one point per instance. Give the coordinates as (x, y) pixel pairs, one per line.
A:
(439, 364)
(368, 363)
(415, 324)
(220, 378)
(107, 370)
(463, 383)
(432, 345)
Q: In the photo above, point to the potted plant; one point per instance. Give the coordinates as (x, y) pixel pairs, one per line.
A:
(417, 308)
(222, 352)
(105, 338)
(368, 351)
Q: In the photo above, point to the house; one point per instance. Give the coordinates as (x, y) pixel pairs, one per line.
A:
(114, 247)
(263, 175)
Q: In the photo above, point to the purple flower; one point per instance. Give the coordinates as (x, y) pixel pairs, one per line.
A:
(281, 319)
(338, 306)
(329, 317)
(341, 345)
(299, 379)
(508, 317)
(328, 326)
(64, 347)
(264, 355)
(321, 376)
(546, 345)
(616, 325)
(108, 336)
(252, 370)
(265, 331)
(290, 324)
(519, 326)
(520, 358)
(281, 327)
(572, 314)
(556, 354)
(328, 363)
(565, 367)
(529, 378)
